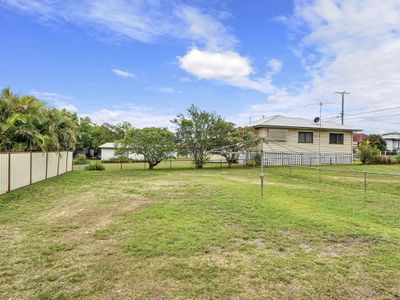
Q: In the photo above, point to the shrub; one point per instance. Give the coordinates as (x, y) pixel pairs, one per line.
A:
(367, 153)
(95, 166)
(381, 160)
(397, 159)
(122, 159)
(80, 160)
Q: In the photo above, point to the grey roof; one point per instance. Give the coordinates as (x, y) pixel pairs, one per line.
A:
(391, 136)
(108, 146)
(279, 121)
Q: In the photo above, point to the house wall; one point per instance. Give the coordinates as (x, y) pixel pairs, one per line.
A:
(292, 144)
(107, 154)
(392, 145)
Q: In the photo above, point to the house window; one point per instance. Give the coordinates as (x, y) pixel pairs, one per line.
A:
(306, 137)
(336, 138)
(279, 135)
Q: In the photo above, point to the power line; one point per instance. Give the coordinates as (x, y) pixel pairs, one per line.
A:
(372, 111)
(364, 112)
(369, 117)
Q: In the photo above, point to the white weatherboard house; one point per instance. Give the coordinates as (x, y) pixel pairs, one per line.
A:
(392, 141)
(300, 141)
(108, 152)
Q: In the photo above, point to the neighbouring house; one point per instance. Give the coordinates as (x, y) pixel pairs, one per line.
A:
(392, 141)
(298, 141)
(108, 152)
(358, 138)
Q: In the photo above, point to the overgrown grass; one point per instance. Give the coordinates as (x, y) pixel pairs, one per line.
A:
(198, 234)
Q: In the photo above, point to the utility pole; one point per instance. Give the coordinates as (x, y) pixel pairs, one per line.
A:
(342, 113)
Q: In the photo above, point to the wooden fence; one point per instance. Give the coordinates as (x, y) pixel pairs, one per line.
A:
(19, 169)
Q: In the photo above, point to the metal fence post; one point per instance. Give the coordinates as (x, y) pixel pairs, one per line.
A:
(9, 171)
(319, 175)
(30, 169)
(47, 162)
(66, 163)
(58, 163)
(365, 181)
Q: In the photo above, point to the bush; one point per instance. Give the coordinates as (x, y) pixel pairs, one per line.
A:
(122, 159)
(80, 160)
(367, 153)
(95, 166)
(397, 159)
(381, 160)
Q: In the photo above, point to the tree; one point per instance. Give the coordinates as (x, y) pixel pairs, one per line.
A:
(26, 124)
(155, 144)
(367, 153)
(198, 133)
(237, 140)
(376, 140)
(91, 135)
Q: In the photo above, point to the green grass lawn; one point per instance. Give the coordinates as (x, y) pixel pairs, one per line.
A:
(200, 234)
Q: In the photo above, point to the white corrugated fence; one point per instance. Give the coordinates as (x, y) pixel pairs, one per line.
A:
(20, 169)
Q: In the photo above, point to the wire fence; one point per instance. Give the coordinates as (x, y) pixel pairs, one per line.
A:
(362, 180)
(170, 164)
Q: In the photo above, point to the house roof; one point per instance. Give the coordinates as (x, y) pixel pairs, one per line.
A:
(391, 136)
(108, 146)
(279, 121)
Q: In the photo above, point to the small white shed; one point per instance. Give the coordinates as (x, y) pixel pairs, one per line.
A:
(108, 152)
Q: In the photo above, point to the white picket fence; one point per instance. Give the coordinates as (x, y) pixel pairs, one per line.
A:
(298, 158)
(19, 169)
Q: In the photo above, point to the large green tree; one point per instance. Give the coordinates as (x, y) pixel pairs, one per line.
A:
(155, 144)
(198, 133)
(91, 135)
(376, 140)
(27, 124)
(236, 140)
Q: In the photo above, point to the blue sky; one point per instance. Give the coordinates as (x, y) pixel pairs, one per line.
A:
(146, 61)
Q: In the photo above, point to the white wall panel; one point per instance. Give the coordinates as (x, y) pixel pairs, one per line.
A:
(20, 170)
(38, 166)
(52, 164)
(27, 167)
(70, 159)
(3, 173)
(62, 164)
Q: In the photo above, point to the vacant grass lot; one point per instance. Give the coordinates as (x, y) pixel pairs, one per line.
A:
(199, 234)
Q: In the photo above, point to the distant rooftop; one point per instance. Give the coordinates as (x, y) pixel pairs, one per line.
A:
(108, 146)
(391, 136)
(287, 122)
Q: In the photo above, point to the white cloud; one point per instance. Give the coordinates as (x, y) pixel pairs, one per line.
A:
(229, 67)
(139, 116)
(205, 29)
(57, 100)
(123, 73)
(142, 20)
(168, 90)
(165, 90)
(147, 21)
(350, 45)
(275, 65)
